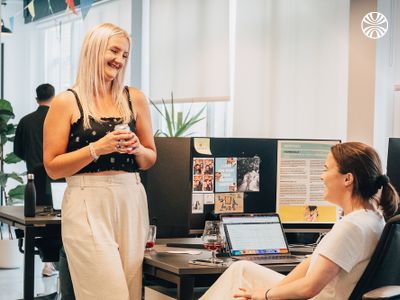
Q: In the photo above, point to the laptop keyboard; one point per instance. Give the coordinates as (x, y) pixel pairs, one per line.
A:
(271, 259)
(265, 257)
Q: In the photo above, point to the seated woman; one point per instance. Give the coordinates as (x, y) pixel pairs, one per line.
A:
(354, 181)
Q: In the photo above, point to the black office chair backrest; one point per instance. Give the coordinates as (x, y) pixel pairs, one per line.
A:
(384, 266)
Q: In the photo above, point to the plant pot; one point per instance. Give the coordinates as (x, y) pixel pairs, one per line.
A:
(10, 257)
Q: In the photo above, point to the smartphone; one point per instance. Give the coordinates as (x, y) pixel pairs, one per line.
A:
(205, 262)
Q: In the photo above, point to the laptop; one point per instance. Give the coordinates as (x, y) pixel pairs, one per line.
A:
(57, 193)
(258, 238)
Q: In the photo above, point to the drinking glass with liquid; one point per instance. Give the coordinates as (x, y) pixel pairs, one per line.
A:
(123, 127)
(151, 237)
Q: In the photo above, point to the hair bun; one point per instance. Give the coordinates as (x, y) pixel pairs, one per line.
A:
(382, 180)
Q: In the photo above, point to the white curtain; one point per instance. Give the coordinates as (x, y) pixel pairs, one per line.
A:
(291, 68)
(189, 49)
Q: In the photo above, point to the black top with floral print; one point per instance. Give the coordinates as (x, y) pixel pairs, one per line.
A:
(80, 137)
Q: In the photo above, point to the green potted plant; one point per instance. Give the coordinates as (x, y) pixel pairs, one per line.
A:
(177, 124)
(9, 257)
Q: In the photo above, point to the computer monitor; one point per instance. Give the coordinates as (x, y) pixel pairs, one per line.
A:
(299, 188)
(393, 162)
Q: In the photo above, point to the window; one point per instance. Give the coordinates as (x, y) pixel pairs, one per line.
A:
(186, 45)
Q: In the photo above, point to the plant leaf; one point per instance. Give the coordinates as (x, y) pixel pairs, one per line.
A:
(156, 107)
(17, 193)
(173, 111)
(16, 177)
(187, 125)
(12, 158)
(6, 110)
(179, 120)
(168, 119)
(3, 179)
(3, 138)
(11, 128)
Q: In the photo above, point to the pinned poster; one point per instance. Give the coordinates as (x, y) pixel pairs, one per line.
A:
(198, 183)
(225, 174)
(228, 202)
(248, 174)
(208, 198)
(202, 145)
(197, 204)
(85, 7)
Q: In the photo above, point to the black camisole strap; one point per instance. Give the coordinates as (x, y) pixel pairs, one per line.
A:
(78, 102)
(126, 89)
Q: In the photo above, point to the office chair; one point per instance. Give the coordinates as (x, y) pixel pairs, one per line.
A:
(381, 278)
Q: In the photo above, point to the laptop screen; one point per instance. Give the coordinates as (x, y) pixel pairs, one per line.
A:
(254, 234)
(57, 193)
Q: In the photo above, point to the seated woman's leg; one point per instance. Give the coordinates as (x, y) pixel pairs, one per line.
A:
(241, 274)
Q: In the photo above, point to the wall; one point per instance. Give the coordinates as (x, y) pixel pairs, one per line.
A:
(361, 93)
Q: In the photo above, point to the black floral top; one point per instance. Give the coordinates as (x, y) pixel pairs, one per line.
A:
(80, 137)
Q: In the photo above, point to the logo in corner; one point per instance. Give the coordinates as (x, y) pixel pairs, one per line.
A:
(374, 25)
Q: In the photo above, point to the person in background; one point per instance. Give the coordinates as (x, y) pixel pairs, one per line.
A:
(353, 180)
(104, 210)
(28, 145)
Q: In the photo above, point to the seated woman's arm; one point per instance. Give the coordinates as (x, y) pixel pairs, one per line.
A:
(308, 286)
(298, 272)
(298, 284)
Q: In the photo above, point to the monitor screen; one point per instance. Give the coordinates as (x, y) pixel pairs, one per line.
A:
(393, 162)
(299, 188)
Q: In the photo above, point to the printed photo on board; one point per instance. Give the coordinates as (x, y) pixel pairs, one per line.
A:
(225, 174)
(228, 202)
(248, 176)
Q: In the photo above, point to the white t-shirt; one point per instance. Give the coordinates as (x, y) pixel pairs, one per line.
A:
(350, 245)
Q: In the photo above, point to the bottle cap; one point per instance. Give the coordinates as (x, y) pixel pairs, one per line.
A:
(31, 176)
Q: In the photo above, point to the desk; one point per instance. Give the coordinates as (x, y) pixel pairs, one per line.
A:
(174, 268)
(33, 227)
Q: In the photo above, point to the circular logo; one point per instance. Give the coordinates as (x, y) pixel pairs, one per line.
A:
(374, 25)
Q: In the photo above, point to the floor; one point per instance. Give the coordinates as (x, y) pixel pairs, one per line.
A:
(11, 282)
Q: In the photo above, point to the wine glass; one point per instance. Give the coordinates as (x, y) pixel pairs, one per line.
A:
(151, 237)
(213, 239)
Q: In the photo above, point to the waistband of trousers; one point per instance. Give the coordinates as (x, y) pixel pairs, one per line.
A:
(102, 180)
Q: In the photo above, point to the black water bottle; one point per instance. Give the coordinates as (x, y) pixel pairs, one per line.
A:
(30, 197)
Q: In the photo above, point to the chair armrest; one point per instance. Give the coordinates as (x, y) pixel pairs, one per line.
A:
(385, 292)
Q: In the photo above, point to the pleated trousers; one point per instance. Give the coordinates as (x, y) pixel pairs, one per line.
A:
(104, 228)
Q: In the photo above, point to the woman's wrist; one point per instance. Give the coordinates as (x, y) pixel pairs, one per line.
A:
(93, 153)
(266, 294)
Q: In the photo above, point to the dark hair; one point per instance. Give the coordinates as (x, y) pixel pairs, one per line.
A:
(44, 92)
(364, 163)
(312, 207)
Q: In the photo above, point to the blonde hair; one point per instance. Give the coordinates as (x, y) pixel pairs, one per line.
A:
(90, 79)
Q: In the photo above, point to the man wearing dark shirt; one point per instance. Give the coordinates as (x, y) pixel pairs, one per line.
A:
(28, 145)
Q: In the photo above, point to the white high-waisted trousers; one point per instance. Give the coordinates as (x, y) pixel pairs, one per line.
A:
(242, 274)
(104, 228)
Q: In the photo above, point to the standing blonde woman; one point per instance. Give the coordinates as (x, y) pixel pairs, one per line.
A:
(105, 217)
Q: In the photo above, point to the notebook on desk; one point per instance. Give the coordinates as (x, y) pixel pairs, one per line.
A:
(257, 237)
(57, 193)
